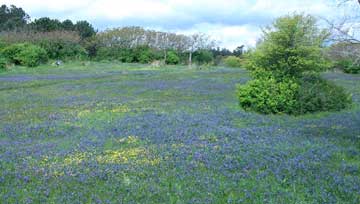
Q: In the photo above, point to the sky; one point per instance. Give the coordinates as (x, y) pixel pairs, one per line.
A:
(230, 22)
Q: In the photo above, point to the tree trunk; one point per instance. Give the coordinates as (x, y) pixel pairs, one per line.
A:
(165, 56)
(190, 59)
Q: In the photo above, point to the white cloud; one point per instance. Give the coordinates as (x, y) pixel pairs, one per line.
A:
(48, 6)
(228, 36)
(232, 22)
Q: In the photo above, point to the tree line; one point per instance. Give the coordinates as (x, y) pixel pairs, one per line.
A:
(68, 40)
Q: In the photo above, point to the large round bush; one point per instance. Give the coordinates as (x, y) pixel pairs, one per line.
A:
(292, 46)
(316, 94)
(285, 67)
(11, 51)
(172, 58)
(143, 54)
(203, 57)
(31, 56)
(266, 95)
(25, 54)
(232, 61)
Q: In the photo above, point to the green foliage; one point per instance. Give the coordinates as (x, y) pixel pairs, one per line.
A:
(2, 45)
(348, 66)
(58, 44)
(11, 51)
(143, 54)
(115, 53)
(125, 55)
(31, 56)
(140, 54)
(91, 46)
(172, 58)
(268, 96)
(12, 18)
(25, 54)
(345, 56)
(316, 94)
(203, 56)
(291, 49)
(292, 46)
(239, 51)
(85, 29)
(67, 25)
(61, 49)
(232, 61)
(45, 24)
(3, 62)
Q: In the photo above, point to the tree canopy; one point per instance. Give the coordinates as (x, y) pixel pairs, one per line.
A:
(291, 46)
(12, 18)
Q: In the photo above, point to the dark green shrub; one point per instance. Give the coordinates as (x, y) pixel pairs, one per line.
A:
(3, 62)
(203, 57)
(316, 94)
(31, 56)
(348, 66)
(59, 49)
(25, 54)
(125, 55)
(58, 44)
(143, 54)
(172, 58)
(72, 51)
(232, 61)
(145, 57)
(11, 51)
(105, 53)
(266, 95)
(2, 45)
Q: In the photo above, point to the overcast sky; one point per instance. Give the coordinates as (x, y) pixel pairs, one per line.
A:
(232, 22)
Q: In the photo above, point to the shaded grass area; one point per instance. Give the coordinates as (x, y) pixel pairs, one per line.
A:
(124, 133)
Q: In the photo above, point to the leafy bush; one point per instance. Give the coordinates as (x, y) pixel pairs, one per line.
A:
(63, 50)
(3, 62)
(266, 95)
(172, 58)
(32, 56)
(115, 53)
(58, 44)
(348, 66)
(203, 57)
(232, 61)
(143, 54)
(2, 45)
(11, 51)
(316, 94)
(125, 55)
(105, 53)
(25, 54)
(289, 51)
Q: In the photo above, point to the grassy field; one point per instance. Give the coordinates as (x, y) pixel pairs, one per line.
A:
(111, 133)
